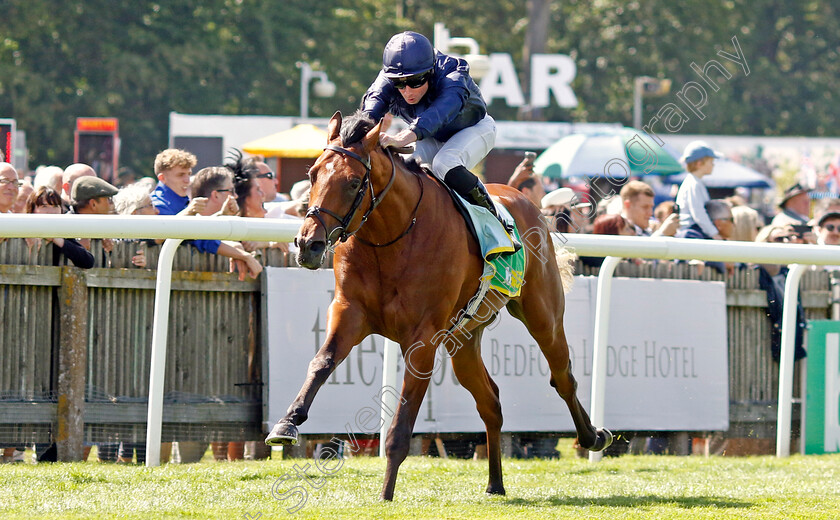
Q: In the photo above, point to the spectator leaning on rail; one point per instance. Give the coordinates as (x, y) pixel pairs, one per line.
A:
(215, 186)
(93, 196)
(46, 201)
(173, 168)
(249, 194)
(692, 196)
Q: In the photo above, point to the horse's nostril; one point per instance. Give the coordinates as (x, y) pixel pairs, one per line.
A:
(317, 247)
(296, 242)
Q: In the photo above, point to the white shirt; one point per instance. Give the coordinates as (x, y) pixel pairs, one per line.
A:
(692, 198)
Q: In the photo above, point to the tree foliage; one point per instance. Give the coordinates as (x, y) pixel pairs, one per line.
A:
(141, 60)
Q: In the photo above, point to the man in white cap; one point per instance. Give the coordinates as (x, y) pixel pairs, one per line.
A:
(567, 212)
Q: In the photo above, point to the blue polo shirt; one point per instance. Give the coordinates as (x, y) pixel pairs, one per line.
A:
(168, 202)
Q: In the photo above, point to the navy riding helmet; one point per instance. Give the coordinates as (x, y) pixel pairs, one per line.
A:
(407, 54)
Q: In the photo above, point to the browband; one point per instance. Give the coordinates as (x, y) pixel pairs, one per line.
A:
(349, 153)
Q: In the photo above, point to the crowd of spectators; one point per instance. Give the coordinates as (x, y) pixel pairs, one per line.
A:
(800, 217)
(690, 214)
(240, 187)
(243, 186)
(247, 187)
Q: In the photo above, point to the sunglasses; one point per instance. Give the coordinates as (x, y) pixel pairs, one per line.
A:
(416, 81)
(268, 175)
(228, 189)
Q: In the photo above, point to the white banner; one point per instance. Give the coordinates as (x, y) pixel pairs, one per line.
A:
(666, 361)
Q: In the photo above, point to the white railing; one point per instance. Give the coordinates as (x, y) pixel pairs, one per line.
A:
(797, 256)
(174, 230)
(612, 247)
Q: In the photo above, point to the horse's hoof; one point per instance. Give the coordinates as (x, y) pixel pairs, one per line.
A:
(603, 440)
(284, 433)
(495, 489)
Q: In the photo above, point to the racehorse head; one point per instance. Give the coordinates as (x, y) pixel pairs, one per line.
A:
(340, 178)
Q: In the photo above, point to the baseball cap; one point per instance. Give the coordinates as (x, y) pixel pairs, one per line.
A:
(696, 150)
(88, 188)
(827, 215)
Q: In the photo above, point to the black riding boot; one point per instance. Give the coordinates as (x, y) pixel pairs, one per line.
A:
(471, 188)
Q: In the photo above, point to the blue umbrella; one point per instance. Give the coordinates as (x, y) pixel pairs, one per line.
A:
(728, 174)
(606, 153)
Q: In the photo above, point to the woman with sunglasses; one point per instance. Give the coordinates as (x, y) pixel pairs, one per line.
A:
(46, 201)
(446, 115)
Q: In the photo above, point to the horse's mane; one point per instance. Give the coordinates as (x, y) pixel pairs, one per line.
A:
(357, 125)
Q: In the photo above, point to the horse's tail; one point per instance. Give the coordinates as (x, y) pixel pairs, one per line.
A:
(565, 263)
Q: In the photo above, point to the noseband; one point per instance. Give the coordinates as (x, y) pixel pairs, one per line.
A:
(343, 222)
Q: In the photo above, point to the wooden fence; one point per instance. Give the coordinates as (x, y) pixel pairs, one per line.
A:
(63, 326)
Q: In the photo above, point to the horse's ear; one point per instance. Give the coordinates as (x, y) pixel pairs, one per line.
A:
(372, 138)
(334, 127)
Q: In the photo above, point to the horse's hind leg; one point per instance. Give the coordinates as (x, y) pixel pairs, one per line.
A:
(540, 308)
(472, 374)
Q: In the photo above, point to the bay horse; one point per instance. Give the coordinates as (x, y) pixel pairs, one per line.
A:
(405, 267)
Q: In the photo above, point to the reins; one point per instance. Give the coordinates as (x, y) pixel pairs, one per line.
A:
(344, 222)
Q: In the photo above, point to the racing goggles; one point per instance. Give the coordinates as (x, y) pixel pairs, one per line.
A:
(415, 81)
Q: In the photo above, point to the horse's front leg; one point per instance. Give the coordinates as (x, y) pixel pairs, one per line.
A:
(346, 327)
(419, 361)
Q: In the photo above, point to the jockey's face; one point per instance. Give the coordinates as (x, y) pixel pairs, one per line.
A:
(413, 96)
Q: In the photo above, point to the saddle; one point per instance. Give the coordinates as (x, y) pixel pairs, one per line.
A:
(504, 273)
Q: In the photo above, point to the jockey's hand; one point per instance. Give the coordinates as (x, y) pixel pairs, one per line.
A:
(403, 138)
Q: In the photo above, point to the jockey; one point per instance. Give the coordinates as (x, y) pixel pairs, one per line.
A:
(446, 115)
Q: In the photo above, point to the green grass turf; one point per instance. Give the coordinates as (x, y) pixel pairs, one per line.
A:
(661, 487)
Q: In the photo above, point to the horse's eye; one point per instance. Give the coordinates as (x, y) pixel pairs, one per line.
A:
(354, 184)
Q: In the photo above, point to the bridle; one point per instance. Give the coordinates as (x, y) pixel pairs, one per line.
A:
(375, 200)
